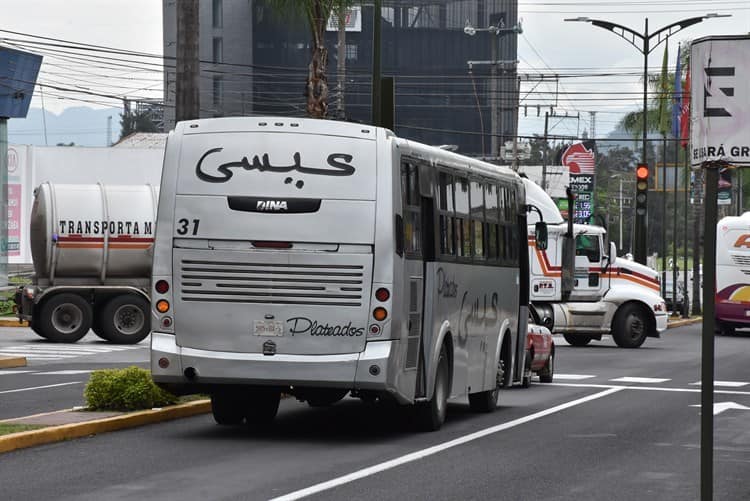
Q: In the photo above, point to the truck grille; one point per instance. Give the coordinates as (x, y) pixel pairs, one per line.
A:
(252, 282)
(741, 260)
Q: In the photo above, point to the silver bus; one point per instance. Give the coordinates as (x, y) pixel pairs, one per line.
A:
(319, 259)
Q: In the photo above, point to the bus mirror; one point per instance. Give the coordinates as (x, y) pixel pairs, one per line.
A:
(540, 235)
(612, 252)
(426, 180)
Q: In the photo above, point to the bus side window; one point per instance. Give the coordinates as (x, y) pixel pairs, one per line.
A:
(411, 208)
(491, 218)
(463, 223)
(446, 218)
(477, 218)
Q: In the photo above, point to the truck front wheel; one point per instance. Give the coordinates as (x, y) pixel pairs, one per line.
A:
(65, 318)
(630, 326)
(124, 319)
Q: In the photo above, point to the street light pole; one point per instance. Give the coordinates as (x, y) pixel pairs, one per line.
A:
(645, 47)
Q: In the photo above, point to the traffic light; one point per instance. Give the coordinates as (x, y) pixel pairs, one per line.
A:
(641, 212)
(641, 189)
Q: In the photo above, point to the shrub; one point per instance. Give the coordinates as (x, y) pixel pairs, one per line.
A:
(124, 390)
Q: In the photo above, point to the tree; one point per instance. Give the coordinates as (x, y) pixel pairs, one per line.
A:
(633, 121)
(317, 13)
(134, 121)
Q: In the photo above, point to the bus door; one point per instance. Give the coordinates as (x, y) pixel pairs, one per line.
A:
(418, 250)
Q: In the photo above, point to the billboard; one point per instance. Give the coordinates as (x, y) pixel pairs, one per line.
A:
(720, 100)
(18, 72)
(580, 159)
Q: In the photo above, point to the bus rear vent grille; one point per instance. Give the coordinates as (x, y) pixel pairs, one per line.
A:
(250, 282)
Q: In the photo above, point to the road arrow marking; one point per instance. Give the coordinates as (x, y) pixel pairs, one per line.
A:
(723, 406)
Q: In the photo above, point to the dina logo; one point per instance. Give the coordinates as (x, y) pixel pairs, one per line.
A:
(272, 205)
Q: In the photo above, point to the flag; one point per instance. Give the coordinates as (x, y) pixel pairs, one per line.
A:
(677, 98)
(685, 114)
(663, 93)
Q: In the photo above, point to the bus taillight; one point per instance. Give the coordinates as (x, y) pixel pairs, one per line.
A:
(162, 287)
(380, 314)
(382, 294)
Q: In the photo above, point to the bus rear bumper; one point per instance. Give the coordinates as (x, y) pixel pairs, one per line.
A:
(190, 370)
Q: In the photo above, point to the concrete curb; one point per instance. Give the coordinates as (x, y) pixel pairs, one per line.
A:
(53, 434)
(687, 321)
(11, 362)
(13, 322)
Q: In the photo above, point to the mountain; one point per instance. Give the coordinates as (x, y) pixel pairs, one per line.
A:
(80, 125)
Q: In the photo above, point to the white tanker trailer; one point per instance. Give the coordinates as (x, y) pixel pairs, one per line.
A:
(91, 245)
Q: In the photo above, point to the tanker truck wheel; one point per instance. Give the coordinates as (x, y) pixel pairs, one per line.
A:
(125, 319)
(65, 318)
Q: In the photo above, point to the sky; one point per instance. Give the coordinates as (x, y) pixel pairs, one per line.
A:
(575, 51)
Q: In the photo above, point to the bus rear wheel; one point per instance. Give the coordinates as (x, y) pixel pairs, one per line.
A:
(227, 408)
(430, 416)
(486, 401)
(261, 405)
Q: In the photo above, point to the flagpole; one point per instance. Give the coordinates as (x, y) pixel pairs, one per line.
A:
(675, 134)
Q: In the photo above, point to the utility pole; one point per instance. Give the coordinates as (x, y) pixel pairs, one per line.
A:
(376, 82)
(187, 101)
(494, 119)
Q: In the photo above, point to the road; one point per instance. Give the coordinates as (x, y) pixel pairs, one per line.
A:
(616, 424)
(56, 374)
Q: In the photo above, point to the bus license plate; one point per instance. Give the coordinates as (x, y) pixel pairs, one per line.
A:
(268, 328)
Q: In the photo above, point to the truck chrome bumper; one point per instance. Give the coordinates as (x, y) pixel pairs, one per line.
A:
(661, 321)
(190, 368)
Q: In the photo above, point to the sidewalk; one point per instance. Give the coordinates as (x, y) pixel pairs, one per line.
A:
(76, 423)
(12, 322)
(673, 322)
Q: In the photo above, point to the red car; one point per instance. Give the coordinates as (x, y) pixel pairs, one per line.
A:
(540, 355)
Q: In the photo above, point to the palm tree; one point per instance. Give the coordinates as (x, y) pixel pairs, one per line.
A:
(317, 13)
(633, 122)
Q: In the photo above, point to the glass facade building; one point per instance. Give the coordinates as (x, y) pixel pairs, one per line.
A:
(450, 87)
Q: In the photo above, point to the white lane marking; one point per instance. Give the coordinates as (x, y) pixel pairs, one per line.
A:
(573, 377)
(40, 357)
(40, 387)
(648, 388)
(639, 380)
(3, 373)
(63, 373)
(48, 351)
(727, 384)
(59, 351)
(414, 456)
